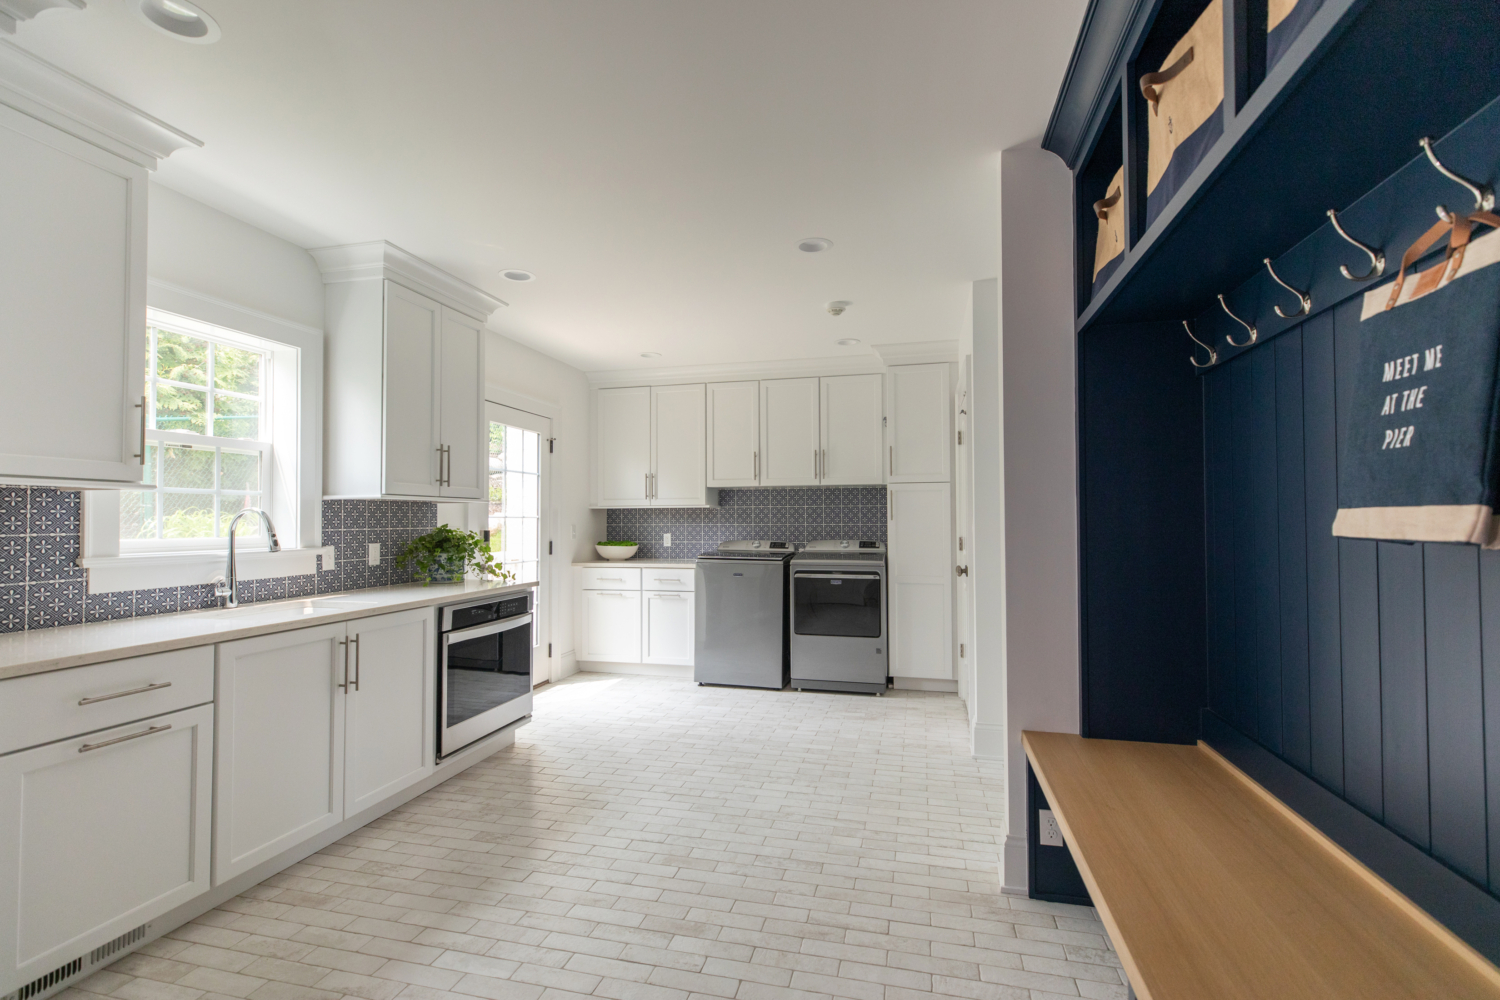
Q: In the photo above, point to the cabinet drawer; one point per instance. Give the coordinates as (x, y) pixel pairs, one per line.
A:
(600, 578)
(653, 578)
(53, 706)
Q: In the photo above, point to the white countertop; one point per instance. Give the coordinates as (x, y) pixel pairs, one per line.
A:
(688, 563)
(23, 653)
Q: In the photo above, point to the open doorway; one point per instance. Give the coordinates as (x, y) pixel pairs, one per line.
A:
(519, 474)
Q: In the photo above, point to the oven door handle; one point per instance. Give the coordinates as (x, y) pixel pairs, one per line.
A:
(489, 628)
(835, 576)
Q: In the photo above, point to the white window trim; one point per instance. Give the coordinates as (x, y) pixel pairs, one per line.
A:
(297, 461)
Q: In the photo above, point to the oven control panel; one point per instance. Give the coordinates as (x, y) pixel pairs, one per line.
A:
(479, 614)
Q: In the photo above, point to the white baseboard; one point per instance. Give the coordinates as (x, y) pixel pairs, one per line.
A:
(989, 741)
(567, 665)
(924, 684)
(641, 669)
(1013, 877)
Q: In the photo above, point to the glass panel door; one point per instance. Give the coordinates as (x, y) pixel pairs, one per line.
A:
(518, 467)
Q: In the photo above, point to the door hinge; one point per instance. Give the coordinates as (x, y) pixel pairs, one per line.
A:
(960, 543)
(960, 651)
(549, 650)
(960, 437)
(549, 547)
(550, 443)
(885, 421)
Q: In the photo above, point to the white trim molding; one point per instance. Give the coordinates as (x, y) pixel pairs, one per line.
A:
(922, 352)
(1014, 880)
(924, 684)
(989, 741)
(381, 260)
(736, 372)
(13, 12)
(39, 89)
(148, 571)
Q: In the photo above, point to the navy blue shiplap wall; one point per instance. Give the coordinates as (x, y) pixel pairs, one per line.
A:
(798, 515)
(1373, 667)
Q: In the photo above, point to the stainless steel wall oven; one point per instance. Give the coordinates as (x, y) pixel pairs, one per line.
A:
(484, 669)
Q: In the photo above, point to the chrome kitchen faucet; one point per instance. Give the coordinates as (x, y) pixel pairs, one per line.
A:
(227, 587)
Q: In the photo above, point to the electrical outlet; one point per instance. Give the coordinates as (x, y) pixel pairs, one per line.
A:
(1048, 834)
(666, 540)
(373, 557)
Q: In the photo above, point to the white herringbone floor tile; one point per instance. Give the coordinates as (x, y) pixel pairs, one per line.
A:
(648, 839)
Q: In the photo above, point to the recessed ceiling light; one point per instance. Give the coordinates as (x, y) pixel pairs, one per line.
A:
(848, 342)
(814, 244)
(650, 354)
(516, 274)
(181, 19)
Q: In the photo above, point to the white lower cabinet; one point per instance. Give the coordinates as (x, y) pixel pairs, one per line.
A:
(100, 834)
(921, 580)
(316, 724)
(611, 626)
(667, 627)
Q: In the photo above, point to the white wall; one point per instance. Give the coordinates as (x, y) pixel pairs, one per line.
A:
(518, 376)
(987, 700)
(201, 249)
(1037, 478)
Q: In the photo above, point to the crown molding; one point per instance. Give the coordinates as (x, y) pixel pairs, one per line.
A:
(39, 89)
(13, 12)
(920, 352)
(737, 371)
(379, 259)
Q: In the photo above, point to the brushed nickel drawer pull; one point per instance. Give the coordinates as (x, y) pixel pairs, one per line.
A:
(121, 739)
(122, 694)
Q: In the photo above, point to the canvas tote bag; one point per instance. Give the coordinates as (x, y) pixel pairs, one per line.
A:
(1110, 244)
(1285, 20)
(1186, 98)
(1419, 453)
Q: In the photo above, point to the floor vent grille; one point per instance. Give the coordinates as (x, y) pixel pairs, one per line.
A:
(48, 981)
(123, 941)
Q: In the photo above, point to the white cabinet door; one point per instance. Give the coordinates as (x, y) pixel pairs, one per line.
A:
(72, 306)
(921, 580)
(388, 736)
(918, 445)
(853, 439)
(623, 439)
(280, 757)
(667, 628)
(410, 451)
(789, 432)
(733, 433)
(98, 835)
(461, 407)
(678, 476)
(611, 626)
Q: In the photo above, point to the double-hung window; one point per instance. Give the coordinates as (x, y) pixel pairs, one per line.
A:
(208, 440)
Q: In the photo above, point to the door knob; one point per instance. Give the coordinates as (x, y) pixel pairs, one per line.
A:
(962, 570)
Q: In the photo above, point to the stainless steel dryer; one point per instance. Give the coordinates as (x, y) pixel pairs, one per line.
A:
(740, 616)
(838, 610)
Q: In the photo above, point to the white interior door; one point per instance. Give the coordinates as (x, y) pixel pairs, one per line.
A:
(622, 440)
(963, 553)
(520, 528)
(853, 439)
(733, 433)
(411, 405)
(678, 475)
(789, 432)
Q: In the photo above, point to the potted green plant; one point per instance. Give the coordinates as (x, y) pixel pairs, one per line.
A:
(444, 554)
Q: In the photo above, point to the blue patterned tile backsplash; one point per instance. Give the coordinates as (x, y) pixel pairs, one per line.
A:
(798, 515)
(42, 585)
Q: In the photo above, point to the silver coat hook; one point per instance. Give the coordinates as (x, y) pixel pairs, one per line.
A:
(1303, 298)
(1254, 333)
(1377, 257)
(1213, 355)
(1484, 195)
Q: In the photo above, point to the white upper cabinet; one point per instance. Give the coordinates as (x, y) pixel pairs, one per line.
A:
(852, 435)
(74, 171)
(918, 447)
(404, 376)
(649, 447)
(789, 432)
(623, 447)
(678, 475)
(733, 433)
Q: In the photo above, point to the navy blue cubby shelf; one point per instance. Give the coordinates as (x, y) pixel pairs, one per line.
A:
(1210, 584)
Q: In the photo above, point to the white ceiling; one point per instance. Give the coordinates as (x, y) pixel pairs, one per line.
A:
(654, 162)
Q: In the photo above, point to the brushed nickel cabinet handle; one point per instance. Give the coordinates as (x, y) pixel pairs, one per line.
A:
(355, 640)
(440, 465)
(891, 449)
(756, 477)
(121, 739)
(142, 455)
(122, 694)
(345, 685)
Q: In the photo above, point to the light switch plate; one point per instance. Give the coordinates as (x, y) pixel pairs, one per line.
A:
(374, 554)
(1048, 834)
(666, 540)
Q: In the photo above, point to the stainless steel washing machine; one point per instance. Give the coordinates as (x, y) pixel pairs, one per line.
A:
(838, 612)
(740, 618)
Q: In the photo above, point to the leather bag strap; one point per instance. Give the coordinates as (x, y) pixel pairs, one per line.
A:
(1103, 205)
(1460, 229)
(1151, 81)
